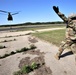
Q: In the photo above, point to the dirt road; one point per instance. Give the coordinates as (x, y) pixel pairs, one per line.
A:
(9, 33)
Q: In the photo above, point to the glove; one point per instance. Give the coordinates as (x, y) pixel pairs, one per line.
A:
(56, 9)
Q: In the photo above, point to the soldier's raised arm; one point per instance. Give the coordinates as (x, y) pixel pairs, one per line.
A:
(62, 16)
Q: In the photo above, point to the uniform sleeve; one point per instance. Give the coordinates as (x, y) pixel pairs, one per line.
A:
(62, 16)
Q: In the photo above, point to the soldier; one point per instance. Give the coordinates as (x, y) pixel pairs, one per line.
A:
(70, 33)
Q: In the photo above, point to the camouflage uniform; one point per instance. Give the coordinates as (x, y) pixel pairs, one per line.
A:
(70, 33)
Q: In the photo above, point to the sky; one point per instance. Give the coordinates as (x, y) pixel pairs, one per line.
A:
(35, 10)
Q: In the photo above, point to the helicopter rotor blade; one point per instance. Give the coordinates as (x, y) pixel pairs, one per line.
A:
(15, 13)
(3, 11)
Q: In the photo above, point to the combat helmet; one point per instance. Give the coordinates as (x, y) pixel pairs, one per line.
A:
(72, 22)
(72, 16)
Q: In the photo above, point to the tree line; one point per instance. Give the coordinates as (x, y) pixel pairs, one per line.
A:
(36, 23)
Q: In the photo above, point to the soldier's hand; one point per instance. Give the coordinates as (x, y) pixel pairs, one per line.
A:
(56, 9)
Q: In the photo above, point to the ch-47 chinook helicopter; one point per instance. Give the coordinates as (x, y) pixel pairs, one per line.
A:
(9, 18)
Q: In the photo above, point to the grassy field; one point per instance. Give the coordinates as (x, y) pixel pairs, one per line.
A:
(44, 26)
(54, 37)
(33, 27)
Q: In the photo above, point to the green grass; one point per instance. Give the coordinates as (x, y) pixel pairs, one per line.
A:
(27, 69)
(55, 36)
(32, 46)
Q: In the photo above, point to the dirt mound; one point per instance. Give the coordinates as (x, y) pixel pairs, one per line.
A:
(34, 52)
(32, 40)
(42, 69)
(24, 61)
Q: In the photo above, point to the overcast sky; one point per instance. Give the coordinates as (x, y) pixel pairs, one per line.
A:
(35, 10)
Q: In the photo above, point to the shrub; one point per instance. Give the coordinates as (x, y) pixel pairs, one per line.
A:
(4, 46)
(18, 51)
(17, 73)
(5, 55)
(26, 69)
(34, 65)
(12, 53)
(1, 47)
(5, 41)
(32, 46)
(14, 39)
(24, 49)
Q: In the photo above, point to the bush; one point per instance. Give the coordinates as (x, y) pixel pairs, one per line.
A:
(32, 46)
(1, 47)
(4, 46)
(34, 66)
(26, 69)
(24, 49)
(5, 55)
(14, 39)
(12, 53)
(18, 51)
(5, 41)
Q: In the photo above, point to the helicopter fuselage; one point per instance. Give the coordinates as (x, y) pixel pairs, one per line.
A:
(10, 18)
